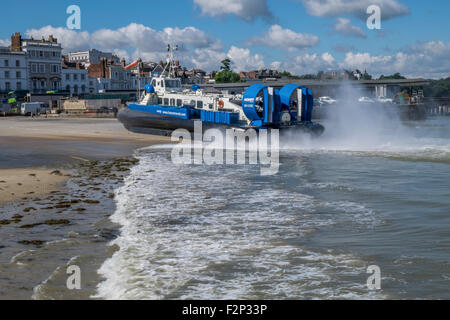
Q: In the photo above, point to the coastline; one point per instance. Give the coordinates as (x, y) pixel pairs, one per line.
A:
(57, 182)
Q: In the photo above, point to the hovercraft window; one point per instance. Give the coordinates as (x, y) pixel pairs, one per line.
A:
(200, 104)
(166, 101)
(179, 102)
(172, 102)
(173, 83)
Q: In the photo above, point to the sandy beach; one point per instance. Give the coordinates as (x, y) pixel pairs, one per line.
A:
(16, 184)
(47, 145)
(57, 182)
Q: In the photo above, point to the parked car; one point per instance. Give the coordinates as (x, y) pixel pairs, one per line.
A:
(108, 110)
(318, 103)
(327, 100)
(33, 108)
(384, 100)
(366, 100)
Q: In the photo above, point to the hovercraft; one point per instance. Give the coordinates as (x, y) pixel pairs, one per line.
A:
(164, 107)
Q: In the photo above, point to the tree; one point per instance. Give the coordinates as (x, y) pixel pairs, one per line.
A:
(226, 75)
(226, 65)
(366, 76)
(395, 76)
(437, 88)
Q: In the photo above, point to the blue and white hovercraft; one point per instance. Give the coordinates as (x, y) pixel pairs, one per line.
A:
(165, 107)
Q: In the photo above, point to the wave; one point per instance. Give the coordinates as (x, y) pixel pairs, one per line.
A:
(201, 232)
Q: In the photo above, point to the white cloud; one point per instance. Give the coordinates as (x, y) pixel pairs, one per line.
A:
(308, 63)
(139, 41)
(276, 36)
(5, 43)
(247, 10)
(332, 8)
(134, 41)
(425, 60)
(70, 39)
(345, 27)
(243, 60)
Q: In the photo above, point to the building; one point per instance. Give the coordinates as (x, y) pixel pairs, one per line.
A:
(75, 79)
(262, 74)
(13, 70)
(119, 78)
(99, 85)
(90, 57)
(43, 62)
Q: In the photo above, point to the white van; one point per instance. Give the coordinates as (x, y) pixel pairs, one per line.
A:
(33, 108)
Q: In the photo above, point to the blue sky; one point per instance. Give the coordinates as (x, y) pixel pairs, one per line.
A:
(302, 36)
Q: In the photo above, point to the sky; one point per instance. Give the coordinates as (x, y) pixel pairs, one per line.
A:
(300, 36)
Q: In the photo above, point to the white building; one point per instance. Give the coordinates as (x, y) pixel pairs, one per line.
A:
(89, 57)
(75, 81)
(97, 85)
(140, 82)
(43, 62)
(13, 70)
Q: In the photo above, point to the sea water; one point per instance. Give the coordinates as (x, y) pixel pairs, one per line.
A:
(371, 191)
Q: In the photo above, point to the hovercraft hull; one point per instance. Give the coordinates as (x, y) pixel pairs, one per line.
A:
(158, 124)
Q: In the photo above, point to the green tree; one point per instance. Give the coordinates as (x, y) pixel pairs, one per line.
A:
(366, 76)
(226, 75)
(226, 65)
(395, 76)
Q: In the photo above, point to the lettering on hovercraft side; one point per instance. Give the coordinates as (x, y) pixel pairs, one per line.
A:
(171, 113)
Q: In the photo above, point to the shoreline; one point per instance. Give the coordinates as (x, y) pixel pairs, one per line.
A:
(63, 174)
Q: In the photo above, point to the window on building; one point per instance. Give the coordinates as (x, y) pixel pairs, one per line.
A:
(67, 76)
(34, 68)
(6, 74)
(18, 75)
(17, 63)
(83, 88)
(42, 84)
(7, 86)
(83, 77)
(55, 68)
(6, 63)
(19, 86)
(41, 54)
(33, 53)
(42, 68)
(75, 77)
(35, 84)
(75, 89)
(68, 88)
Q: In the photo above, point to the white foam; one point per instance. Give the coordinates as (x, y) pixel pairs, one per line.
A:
(200, 232)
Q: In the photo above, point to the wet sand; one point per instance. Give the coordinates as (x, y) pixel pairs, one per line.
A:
(26, 142)
(57, 182)
(17, 184)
